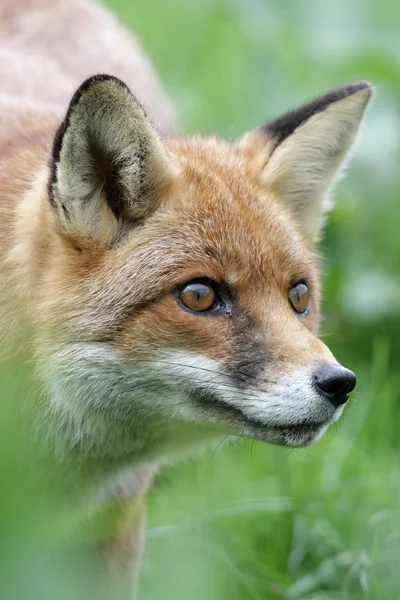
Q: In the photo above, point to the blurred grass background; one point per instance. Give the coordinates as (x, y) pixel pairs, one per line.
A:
(250, 521)
(254, 521)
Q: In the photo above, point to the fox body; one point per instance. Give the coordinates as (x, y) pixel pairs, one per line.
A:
(168, 286)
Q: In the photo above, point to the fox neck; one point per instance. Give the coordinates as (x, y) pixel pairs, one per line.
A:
(26, 137)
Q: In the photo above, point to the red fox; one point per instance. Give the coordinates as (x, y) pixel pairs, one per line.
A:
(169, 285)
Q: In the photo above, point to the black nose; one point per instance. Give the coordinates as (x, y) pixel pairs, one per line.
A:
(335, 383)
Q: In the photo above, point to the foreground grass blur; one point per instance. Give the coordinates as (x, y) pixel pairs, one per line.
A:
(250, 521)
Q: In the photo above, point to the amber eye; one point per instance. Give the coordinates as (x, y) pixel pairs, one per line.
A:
(198, 296)
(299, 298)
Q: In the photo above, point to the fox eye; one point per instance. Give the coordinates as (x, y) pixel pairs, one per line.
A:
(198, 296)
(299, 298)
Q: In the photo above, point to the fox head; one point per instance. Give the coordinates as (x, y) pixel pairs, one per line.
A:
(180, 300)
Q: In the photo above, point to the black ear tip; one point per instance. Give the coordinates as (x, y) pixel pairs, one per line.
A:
(358, 86)
(281, 128)
(82, 89)
(94, 80)
(341, 93)
(364, 84)
(91, 82)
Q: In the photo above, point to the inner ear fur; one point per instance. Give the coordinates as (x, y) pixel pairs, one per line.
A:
(109, 165)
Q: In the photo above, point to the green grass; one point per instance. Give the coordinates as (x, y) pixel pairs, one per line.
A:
(253, 521)
(250, 521)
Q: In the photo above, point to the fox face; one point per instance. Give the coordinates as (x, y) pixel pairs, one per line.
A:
(180, 300)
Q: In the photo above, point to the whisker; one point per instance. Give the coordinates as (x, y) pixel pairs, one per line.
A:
(219, 445)
(154, 386)
(219, 374)
(210, 384)
(251, 449)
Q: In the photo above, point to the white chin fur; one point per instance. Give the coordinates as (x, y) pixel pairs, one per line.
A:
(287, 401)
(98, 399)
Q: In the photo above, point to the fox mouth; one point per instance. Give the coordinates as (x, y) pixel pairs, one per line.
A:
(302, 433)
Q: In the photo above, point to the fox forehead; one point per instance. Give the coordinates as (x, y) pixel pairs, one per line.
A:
(255, 233)
(212, 222)
(216, 217)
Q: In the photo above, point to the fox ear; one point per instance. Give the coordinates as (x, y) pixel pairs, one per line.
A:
(297, 156)
(108, 163)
